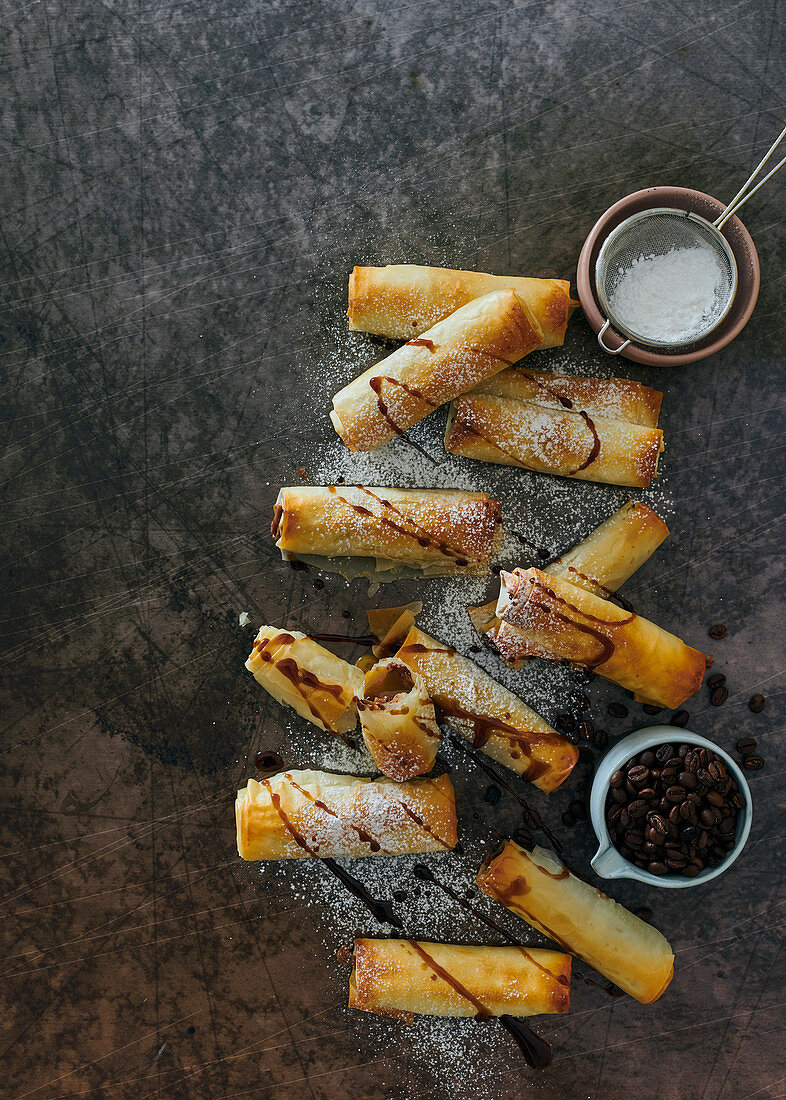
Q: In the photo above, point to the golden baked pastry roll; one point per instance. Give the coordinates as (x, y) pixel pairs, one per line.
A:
(398, 721)
(581, 919)
(551, 441)
(403, 300)
(489, 716)
(615, 398)
(562, 622)
(302, 674)
(406, 978)
(299, 814)
(601, 562)
(387, 533)
(478, 340)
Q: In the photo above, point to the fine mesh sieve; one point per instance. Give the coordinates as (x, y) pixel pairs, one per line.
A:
(658, 232)
(650, 234)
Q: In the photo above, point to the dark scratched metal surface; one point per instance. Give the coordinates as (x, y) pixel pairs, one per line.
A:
(185, 186)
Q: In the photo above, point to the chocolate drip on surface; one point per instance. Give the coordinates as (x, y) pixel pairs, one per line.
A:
(536, 1051)
(268, 762)
(539, 551)
(532, 818)
(361, 639)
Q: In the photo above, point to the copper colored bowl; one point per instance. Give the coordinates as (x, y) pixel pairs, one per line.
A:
(680, 198)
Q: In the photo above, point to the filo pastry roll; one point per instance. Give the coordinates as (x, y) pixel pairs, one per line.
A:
(301, 814)
(552, 441)
(489, 716)
(478, 340)
(302, 674)
(403, 300)
(600, 563)
(398, 722)
(562, 622)
(581, 919)
(407, 978)
(385, 533)
(616, 398)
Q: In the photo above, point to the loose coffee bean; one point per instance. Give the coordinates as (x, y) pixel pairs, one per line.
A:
(582, 702)
(753, 763)
(568, 819)
(492, 795)
(601, 739)
(756, 703)
(565, 723)
(585, 730)
(618, 710)
(719, 696)
(643, 912)
(746, 745)
(648, 708)
(717, 631)
(681, 718)
(716, 680)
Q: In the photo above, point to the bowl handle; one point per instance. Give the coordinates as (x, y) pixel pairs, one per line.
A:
(608, 863)
(611, 351)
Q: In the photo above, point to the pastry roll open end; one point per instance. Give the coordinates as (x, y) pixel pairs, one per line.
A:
(581, 919)
(299, 814)
(302, 674)
(405, 978)
(398, 721)
(390, 626)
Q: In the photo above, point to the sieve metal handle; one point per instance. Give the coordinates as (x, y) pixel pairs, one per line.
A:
(611, 351)
(744, 194)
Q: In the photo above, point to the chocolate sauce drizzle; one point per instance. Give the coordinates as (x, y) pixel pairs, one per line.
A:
(531, 817)
(424, 538)
(302, 679)
(356, 639)
(595, 449)
(607, 646)
(535, 1049)
(382, 910)
(376, 385)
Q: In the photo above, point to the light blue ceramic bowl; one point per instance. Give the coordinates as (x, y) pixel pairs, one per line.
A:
(607, 861)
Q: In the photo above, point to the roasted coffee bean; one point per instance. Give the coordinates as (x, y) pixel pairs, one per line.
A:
(523, 838)
(648, 794)
(746, 745)
(568, 819)
(638, 774)
(649, 708)
(618, 710)
(687, 781)
(716, 680)
(586, 755)
(577, 809)
(600, 739)
(717, 631)
(683, 751)
(753, 763)
(649, 849)
(657, 868)
(634, 838)
(756, 703)
(643, 912)
(676, 794)
(565, 723)
(664, 753)
(716, 770)
(704, 777)
(585, 731)
(707, 818)
(613, 814)
(714, 798)
(625, 818)
(638, 808)
(676, 862)
(582, 702)
(681, 718)
(687, 811)
(647, 758)
(719, 696)
(675, 816)
(617, 778)
(690, 870)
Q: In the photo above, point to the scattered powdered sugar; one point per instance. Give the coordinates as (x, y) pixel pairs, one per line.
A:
(670, 297)
(540, 513)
